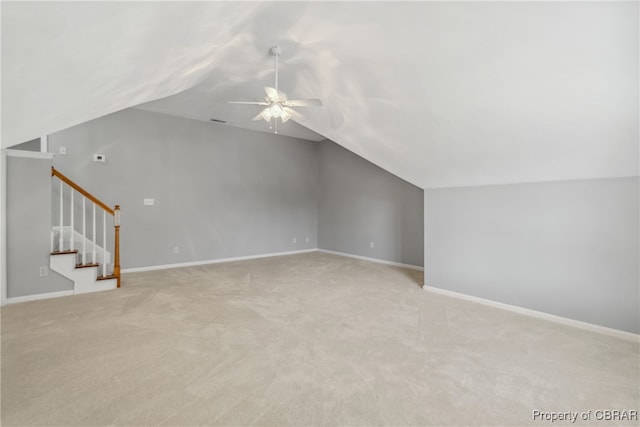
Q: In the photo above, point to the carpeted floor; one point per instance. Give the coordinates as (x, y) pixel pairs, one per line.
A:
(309, 339)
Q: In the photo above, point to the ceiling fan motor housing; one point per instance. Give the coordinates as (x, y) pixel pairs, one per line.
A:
(275, 50)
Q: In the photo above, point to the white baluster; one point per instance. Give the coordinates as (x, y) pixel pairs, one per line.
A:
(94, 234)
(84, 230)
(72, 228)
(104, 243)
(51, 241)
(61, 238)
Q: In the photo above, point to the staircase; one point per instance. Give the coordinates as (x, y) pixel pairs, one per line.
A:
(85, 277)
(78, 248)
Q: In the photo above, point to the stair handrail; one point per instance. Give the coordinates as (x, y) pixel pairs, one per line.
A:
(69, 182)
(115, 212)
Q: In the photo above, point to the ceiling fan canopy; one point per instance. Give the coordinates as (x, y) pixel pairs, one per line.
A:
(277, 104)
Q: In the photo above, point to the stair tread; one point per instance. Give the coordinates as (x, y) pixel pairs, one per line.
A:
(87, 265)
(64, 252)
(111, 276)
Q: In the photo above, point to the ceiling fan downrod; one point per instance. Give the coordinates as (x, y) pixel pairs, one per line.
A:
(276, 51)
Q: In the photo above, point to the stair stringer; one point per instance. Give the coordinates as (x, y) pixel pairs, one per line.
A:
(84, 279)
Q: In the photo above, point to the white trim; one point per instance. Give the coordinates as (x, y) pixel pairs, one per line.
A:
(48, 295)
(213, 261)
(44, 143)
(629, 336)
(3, 227)
(376, 260)
(28, 154)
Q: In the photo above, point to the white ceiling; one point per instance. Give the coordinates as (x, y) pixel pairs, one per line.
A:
(440, 94)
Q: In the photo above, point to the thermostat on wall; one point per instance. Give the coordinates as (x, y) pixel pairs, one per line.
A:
(99, 158)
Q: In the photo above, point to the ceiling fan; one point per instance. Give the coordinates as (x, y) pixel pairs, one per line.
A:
(277, 105)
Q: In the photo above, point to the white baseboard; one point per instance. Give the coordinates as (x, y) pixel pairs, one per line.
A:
(15, 300)
(213, 261)
(244, 258)
(629, 336)
(376, 260)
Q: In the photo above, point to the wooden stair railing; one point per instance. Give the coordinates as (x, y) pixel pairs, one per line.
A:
(115, 212)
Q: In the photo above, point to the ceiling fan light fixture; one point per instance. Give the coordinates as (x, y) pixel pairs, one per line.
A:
(276, 110)
(285, 115)
(266, 114)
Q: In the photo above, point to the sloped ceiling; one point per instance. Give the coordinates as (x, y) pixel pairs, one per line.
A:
(440, 94)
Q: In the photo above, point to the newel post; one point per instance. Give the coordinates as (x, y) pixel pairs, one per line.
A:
(116, 224)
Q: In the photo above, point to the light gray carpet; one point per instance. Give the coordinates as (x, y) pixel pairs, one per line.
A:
(310, 339)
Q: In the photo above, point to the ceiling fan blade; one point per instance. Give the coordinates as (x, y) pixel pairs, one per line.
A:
(272, 94)
(259, 116)
(293, 114)
(248, 102)
(304, 103)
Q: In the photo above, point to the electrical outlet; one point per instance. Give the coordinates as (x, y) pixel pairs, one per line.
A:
(62, 150)
(371, 244)
(176, 250)
(307, 239)
(149, 202)
(44, 271)
(99, 158)
(294, 240)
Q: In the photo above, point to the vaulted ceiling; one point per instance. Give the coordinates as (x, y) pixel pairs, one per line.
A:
(439, 93)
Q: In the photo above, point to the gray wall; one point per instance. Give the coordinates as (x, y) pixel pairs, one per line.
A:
(220, 191)
(568, 248)
(33, 145)
(29, 228)
(361, 203)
